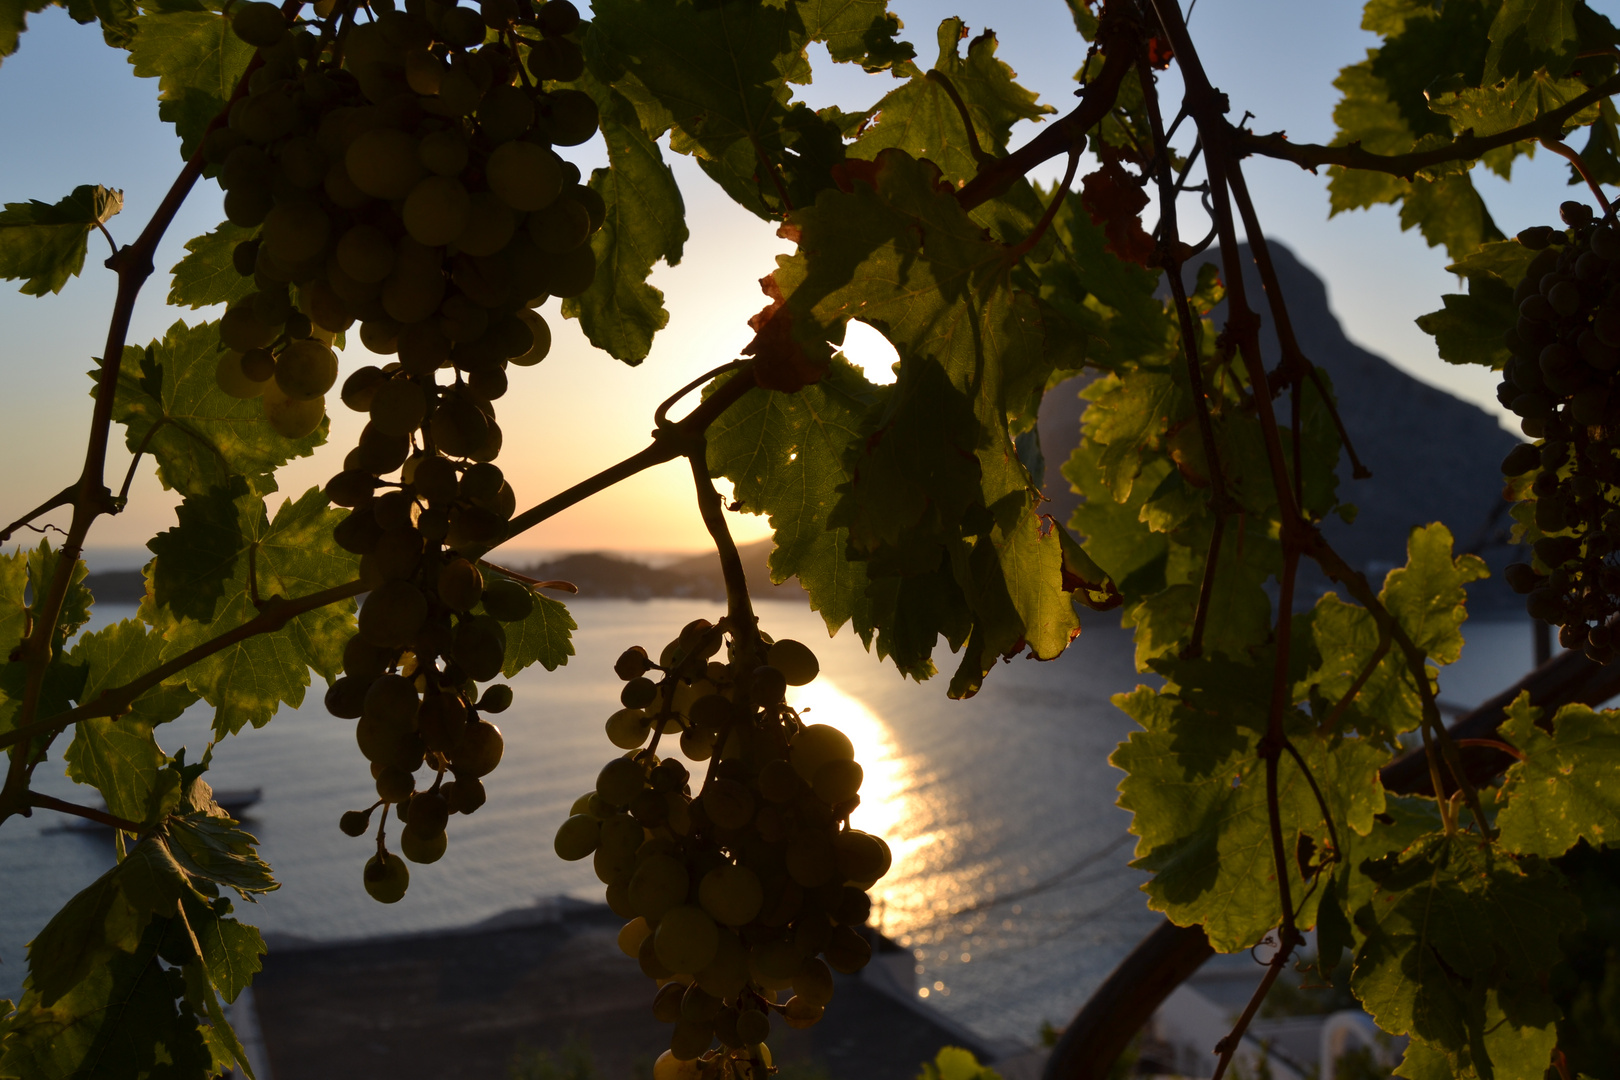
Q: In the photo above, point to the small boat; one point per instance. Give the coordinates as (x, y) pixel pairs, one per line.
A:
(234, 802)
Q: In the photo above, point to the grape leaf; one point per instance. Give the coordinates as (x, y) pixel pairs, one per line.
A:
(1470, 328)
(197, 558)
(543, 637)
(784, 454)
(75, 610)
(44, 243)
(126, 1017)
(13, 602)
(920, 118)
(1530, 34)
(1458, 944)
(207, 275)
(856, 31)
(1427, 595)
(717, 75)
(197, 61)
(117, 18)
(646, 222)
(292, 556)
(172, 408)
(118, 755)
(1567, 787)
(1196, 785)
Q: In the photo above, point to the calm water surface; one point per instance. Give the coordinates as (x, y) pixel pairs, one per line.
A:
(1010, 881)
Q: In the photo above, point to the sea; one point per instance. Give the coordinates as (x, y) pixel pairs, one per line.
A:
(1011, 881)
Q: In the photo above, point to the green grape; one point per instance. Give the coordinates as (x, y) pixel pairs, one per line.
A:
(289, 417)
(234, 380)
(837, 781)
(728, 803)
(754, 1027)
(811, 860)
(391, 701)
(691, 1041)
(296, 232)
(525, 176)
(480, 647)
(383, 163)
(345, 698)
(813, 982)
(570, 273)
(556, 59)
(848, 951)
(480, 750)
(862, 857)
(817, 745)
(795, 661)
(428, 812)
(245, 166)
(658, 884)
(567, 118)
(303, 162)
(398, 407)
(462, 320)
(628, 729)
(490, 225)
(460, 585)
(266, 117)
(461, 27)
(731, 894)
(422, 847)
(562, 226)
(443, 153)
(424, 74)
(435, 480)
(591, 200)
(423, 347)
(416, 288)
(577, 837)
(392, 614)
(436, 211)
(557, 17)
(395, 556)
(631, 936)
(620, 781)
(697, 745)
(487, 384)
(686, 939)
(505, 113)
(394, 784)
(341, 189)
(386, 878)
(305, 370)
(459, 427)
(507, 600)
(800, 1013)
(666, 1006)
(242, 329)
(465, 795)
(670, 1067)
(351, 487)
(366, 254)
(355, 822)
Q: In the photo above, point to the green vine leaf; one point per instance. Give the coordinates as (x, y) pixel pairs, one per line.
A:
(646, 222)
(1566, 788)
(197, 61)
(784, 454)
(861, 32)
(1196, 783)
(207, 276)
(172, 408)
(1458, 945)
(292, 556)
(543, 637)
(14, 20)
(44, 243)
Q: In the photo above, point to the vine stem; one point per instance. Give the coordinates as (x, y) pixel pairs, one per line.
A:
(739, 607)
(1170, 259)
(100, 817)
(980, 155)
(997, 177)
(1464, 147)
(1569, 153)
(133, 265)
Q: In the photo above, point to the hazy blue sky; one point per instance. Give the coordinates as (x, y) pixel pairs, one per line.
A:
(73, 113)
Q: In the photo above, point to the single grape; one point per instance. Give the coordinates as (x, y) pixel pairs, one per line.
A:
(355, 822)
(686, 939)
(233, 378)
(305, 370)
(577, 837)
(386, 878)
(291, 418)
(731, 894)
(525, 176)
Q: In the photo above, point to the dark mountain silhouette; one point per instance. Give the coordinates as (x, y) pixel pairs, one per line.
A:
(1433, 456)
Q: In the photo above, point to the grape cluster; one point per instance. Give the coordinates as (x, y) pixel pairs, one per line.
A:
(754, 887)
(399, 173)
(1564, 381)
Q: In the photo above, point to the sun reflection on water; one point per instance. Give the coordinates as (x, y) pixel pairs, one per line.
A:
(893, 806)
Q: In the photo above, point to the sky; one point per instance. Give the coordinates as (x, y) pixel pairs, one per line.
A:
(72, 112)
